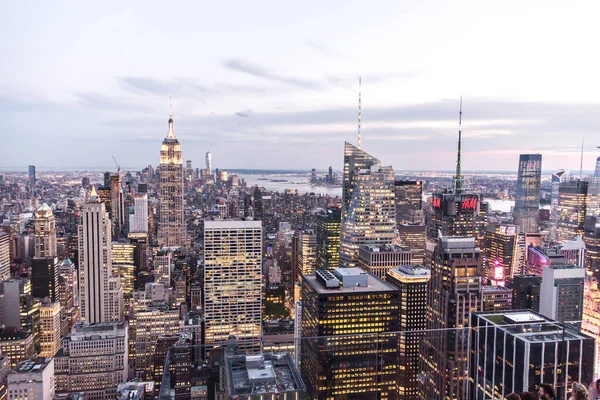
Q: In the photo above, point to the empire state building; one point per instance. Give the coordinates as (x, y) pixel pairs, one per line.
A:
(171, 225)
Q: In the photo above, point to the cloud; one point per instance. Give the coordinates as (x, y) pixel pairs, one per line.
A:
(246, 114)
(164, 87)
(326, 50)
(260, 72)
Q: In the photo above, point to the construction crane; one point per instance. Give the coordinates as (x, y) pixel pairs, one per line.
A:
(118, 166)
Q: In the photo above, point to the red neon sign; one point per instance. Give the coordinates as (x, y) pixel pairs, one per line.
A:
(437, 202)
(469, 204)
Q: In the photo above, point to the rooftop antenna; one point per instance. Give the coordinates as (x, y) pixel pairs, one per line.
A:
(458, 177)
(359, 111)
(170, 108)
(581, 160)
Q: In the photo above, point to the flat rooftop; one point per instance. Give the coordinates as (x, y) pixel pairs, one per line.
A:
(262, 374)
(374, 284)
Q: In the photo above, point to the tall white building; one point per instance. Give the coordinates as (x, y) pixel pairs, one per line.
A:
(31, 380)
(45, 232)
(94, 360)
(232, 282)
(4, 256)
(99, 291)
(50, 329)
(562, 292)
(138, 221)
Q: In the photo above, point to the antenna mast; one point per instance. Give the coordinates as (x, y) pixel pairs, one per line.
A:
(359, 112)
(458, 177)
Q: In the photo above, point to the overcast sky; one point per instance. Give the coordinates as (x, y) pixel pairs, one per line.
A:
(275, 84)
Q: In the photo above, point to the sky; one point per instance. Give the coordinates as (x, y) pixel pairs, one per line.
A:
(274, 85)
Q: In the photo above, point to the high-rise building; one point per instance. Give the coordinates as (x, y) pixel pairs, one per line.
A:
(369, 212)
(501, 260)
(44, 278)
(591, 316)
(572, 203)
(17, 345)
(123, 266)
(561, 292)
(597, 172)
(50, 332)
(100, 292)
(232, 282)
(337, 363)
(526, 292)
(4, 256)
(328, 238)
(516, 351)
(162, 268)
(591, 238)
(138, 221)
(171, 224)
(379, 259)
(146, 325)
(453, 292)
(208, 159)
(117, 205)
(18, 309)
(408, 196)
(527, 200)
(411, 281)
(496, 298)
(32, 179)
(413, 236)
(93, 360)
(455, 214)
(45, 232)
(304, 257)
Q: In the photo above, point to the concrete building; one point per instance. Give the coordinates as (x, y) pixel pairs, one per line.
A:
(17, 346)
(93, 360)
(50, 329)
(4, 256)
(99, 291)
(516, 351)
(379, 259)
(138, 221)
(44, 232)
(233, 282)
(32, 380)
(561, 293)
(123, 266)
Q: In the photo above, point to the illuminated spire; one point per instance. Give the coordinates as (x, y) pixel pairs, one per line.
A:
(171, 134)
(359, 112)
(93, 194)
(458, 177)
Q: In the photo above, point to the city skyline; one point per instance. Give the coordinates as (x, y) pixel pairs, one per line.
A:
(243, 95)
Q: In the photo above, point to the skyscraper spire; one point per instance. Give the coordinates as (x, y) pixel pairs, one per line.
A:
(359, 112)
(458, 176)
(171, 134)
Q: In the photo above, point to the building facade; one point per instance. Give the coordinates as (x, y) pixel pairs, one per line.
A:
(379, 259)
(233, 282)
(44, 232)
(527, 200)
(32, 380)
(561, 292)
(572, 204)
(171, 224)
(329, 225)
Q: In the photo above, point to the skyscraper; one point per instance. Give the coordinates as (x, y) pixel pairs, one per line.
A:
(527, 201)
(44, 278)
(171, 224)
(138, 221)
(526, 292)
(501, 253)
(45, 232)
(453, 292)
(32, 179)
(408, 196)
(411, 281)
(4, 256)
(337, 363)
(597, 172)
(50, 329)
(379, 259)
(591, 316)
(369, 213)
(98, 293)
(561, 292)
(516, 351)
(123, 266)
(208, 162)
(572, 204)
(328, 238)
(117, 205)
(233, 282)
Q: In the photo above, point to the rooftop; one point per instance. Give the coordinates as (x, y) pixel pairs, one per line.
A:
(384, 248)
(32, 366)
(374, 284)
(262, 374)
